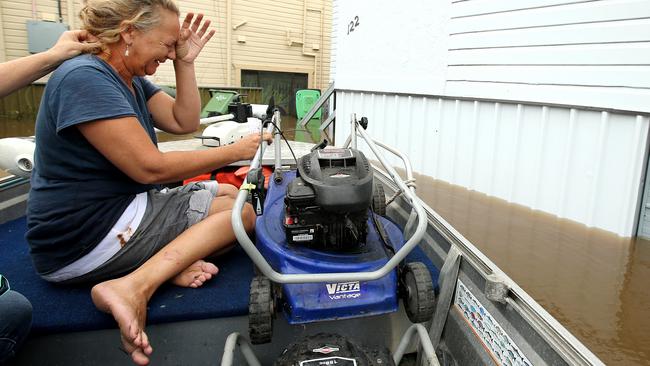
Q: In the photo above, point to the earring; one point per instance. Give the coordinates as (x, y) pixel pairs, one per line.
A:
(126, 53)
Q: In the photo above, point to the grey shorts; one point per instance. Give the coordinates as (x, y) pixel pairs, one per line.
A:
(169, 213)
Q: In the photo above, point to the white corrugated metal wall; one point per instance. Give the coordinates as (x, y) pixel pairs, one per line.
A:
(579, 164)
(543, 103)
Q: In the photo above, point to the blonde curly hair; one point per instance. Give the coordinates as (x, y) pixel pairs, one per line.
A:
(106, 19)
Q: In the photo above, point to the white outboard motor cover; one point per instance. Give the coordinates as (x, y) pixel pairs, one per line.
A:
(228, 132)
(17, 155)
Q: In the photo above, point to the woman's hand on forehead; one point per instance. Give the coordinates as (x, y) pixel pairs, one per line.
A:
(192, 37)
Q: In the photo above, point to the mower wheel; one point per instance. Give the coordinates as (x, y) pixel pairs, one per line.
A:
(261, 309)
(419, 298)
(379, 200)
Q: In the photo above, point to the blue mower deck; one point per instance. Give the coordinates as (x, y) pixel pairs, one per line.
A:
(303, 303)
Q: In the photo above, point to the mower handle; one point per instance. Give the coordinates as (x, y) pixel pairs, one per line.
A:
(261, 263)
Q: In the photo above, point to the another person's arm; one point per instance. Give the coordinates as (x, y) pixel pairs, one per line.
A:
(18, 73)
(181, 115)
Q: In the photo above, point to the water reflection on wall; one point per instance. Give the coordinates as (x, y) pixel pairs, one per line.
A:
(592, 281)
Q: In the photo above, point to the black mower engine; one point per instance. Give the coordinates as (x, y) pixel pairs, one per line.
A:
(327, 204)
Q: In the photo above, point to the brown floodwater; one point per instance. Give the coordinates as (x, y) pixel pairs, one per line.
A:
(590, 280)
(593, 282)
(16, 128)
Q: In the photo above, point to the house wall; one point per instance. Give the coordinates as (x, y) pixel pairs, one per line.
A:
(14, 14)
(283, 35)
(585, 53)
(336, 20)
(543, 103)
(385, 46)
(590, 53)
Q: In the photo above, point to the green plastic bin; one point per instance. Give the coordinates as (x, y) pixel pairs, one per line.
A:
(305, 99)
(218, 103)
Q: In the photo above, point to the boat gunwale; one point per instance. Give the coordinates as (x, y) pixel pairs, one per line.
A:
(572, 350)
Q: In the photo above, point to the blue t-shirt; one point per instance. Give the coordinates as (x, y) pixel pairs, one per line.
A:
(77, 195)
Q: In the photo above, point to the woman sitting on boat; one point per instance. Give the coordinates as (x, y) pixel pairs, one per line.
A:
(95, 212)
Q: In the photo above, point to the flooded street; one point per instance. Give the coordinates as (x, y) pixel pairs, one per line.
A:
(16, 128)
(591, 281)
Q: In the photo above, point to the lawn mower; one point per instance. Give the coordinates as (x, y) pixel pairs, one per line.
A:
(324, 250)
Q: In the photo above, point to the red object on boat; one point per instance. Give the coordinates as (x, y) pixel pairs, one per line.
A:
(230, 175)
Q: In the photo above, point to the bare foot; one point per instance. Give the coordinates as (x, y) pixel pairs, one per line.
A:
(130, 311)
(196, 274)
